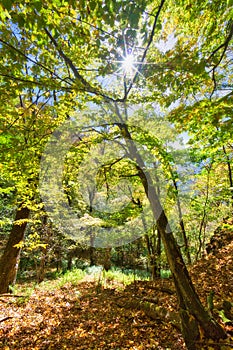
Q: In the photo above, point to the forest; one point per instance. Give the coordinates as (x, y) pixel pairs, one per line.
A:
(116, 174)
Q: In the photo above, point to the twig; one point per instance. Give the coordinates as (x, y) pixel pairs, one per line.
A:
(67, 60)
(150, 300)
(87, 86)
(5, 318)
(12, 295)
(225, 46)
(30, 59)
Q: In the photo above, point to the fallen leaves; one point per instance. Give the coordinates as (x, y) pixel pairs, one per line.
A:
(87, 317)
(81, 318)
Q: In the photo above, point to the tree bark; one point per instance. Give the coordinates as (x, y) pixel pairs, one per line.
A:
(158, 253)
(204, 215)
(69, 261)
(183, 231)
(92, 250)
(10, 258)
(228, 161)
(107, 259)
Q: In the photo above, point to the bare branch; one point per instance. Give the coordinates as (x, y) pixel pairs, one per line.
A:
(224, 46)
(5, 318)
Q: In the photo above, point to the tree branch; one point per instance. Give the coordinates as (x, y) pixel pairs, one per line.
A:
(225, 46)
(33, 82)
(30, 59)
(12, 77)
(69, 62)
(145, 52)
(5, 318)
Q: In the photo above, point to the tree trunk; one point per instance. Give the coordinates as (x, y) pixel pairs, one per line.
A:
(183, 231)
(44, 250)
(190, 304)
(158, 253)
(154, 253)
(41, 270)
(107, 259)
(92, 250)
(10, 258)
(228, 161)
(69, 261)
(204, 216)
(151, 258)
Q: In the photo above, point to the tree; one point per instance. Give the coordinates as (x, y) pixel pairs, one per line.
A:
(25, 125)
(10, 258)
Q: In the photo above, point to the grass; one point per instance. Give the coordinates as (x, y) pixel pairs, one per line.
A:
(165, 273)
(115, 275)
(126, 276)
(23, 293)
(72, 277)
(96, 273)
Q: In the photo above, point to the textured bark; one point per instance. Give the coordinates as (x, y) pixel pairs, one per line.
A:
(158, 253)
(230, 176)
(92, 250)
(41, 269)
(182, 227)
(107, 259)
(10, 258)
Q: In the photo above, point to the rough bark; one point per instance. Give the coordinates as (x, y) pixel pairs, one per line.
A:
(10, 258)
(230, 176)
(182, 227)
(107, 259)
(41, 269)
(151, 257)
(158, 253)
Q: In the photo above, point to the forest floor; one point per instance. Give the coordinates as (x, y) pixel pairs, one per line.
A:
(112, 316)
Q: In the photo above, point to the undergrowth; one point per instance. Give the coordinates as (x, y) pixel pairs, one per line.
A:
(115, 276)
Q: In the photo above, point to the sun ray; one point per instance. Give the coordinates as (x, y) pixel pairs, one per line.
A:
(128, 63)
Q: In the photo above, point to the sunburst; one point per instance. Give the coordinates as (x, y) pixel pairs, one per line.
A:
(128, 64)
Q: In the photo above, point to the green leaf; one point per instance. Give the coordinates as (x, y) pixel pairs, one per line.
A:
(38, 5)
(7, 4)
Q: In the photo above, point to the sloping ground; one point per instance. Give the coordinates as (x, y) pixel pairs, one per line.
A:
(89, 316)
(85, 317)
(214, 272)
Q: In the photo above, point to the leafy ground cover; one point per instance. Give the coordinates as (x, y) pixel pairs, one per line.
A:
(104, 313)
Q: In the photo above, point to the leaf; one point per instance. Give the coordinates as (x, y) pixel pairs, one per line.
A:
(8, 4)
(223, 317)
(19, 245)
